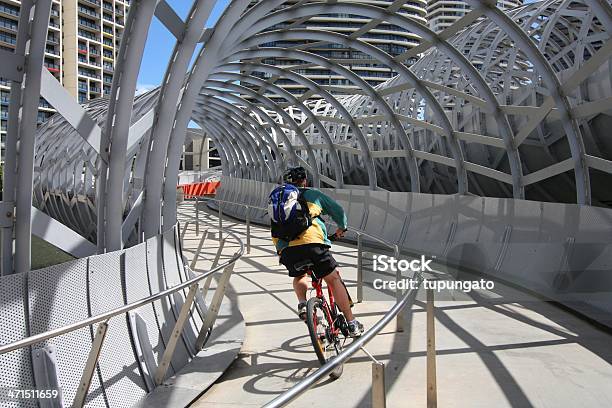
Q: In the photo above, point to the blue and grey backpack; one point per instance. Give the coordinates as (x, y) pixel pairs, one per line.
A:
(288, 211)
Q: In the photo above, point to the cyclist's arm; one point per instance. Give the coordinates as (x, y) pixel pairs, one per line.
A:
(334, 210)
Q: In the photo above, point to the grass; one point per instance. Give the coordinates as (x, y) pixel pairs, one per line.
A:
(44, 254)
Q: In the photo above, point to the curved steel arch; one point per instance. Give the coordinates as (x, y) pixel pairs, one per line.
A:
(501, 95)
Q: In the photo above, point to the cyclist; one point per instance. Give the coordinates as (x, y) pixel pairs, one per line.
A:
(313, 244)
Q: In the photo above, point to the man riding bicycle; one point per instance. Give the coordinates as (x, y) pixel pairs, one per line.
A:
(313, 244)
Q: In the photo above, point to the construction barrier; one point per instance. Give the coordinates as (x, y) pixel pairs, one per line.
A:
(205, 188)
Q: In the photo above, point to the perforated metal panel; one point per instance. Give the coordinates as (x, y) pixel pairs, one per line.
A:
(397, 216)
(117, 362)
(15, 366)
(57, 296)
(377, 204)
(137, 287)
(163, 308)
(173, 278)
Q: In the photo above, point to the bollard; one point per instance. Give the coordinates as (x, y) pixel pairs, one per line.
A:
(197, 217)
(432, 397)
(379, 399)
(220, 223)
(248, 230)
(359, 270)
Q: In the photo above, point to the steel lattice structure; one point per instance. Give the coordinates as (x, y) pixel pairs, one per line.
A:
(501, 104)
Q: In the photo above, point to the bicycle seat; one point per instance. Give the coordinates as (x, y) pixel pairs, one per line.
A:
(304, 266)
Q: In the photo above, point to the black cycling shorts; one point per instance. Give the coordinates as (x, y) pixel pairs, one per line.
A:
(318, 254)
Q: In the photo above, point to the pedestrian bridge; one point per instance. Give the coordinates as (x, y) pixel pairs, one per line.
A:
(486, 151)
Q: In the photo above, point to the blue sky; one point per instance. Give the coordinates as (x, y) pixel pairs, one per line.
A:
(160, 44)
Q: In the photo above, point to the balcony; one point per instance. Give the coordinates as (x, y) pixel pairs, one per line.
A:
(82, 86)
(7, 24)
(44, 104)
(54, 68)
(89, 25)
(95, 89)
(51, 39)
(89, 12)
(8, 39)
(107, 30)
(88, 35)
(94, 2)
(3, 114)
(108, 68)
(52, 51)
(55, 13)
(9, 10)
(108, 18)
(94, 51)
(89, 74)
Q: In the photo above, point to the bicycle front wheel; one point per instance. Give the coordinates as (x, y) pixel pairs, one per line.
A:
(326, 345)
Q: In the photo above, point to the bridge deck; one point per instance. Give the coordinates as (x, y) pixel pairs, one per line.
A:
(488, 353)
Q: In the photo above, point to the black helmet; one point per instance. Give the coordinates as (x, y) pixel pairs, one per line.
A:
(294, 175)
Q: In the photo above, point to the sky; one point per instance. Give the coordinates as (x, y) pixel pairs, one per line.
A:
(160, 44)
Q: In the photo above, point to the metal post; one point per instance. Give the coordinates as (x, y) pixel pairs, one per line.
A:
(184, 230)
(197, 253)
(220, 223)
(214, 264)
(359, 269)
(398, 292)
(213, 310)
(379, 399)
(248, 230)
(176, 333)
(197, 216)
(432, 397)
(90, 365)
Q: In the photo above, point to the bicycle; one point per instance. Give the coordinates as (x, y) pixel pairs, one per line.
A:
(326, 323)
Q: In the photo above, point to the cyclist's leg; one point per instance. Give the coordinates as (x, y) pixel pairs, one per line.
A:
(334, 281)
(300, 286)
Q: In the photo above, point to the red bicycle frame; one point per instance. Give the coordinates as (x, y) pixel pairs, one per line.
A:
(328, 307)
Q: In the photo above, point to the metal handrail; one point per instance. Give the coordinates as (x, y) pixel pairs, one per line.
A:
(355, 346)
(397, 310)
(37, 338)
(353, 229)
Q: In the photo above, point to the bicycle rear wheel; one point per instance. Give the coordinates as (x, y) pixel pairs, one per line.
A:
(326, 345)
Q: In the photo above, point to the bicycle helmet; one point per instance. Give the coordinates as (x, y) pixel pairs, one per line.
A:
(294, 175)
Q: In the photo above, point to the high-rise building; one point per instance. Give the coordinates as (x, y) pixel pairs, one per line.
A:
(82, 43)
(390, 38)
(443, 13)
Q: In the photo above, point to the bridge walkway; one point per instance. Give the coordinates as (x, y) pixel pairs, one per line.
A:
(489, 353)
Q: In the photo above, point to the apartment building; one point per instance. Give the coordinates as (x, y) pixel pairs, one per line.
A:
(392, 39)
(443, 13)
(82, 43)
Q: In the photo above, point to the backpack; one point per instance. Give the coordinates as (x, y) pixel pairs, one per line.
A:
(288, 211)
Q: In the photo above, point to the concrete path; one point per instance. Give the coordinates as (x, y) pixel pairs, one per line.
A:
(489, 354)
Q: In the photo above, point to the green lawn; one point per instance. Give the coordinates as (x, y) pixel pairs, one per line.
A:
(44, 254)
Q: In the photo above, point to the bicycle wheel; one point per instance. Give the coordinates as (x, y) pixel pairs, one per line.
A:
(325, 344)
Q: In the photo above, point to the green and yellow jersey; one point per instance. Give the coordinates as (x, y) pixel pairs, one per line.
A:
(318, 204)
